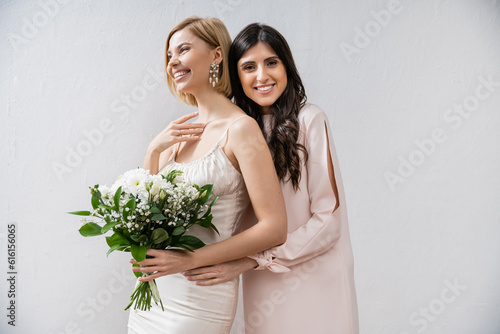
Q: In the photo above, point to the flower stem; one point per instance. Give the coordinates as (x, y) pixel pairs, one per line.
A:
(141, 296)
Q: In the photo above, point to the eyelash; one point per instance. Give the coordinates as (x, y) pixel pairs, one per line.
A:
(269, 63)
(181, 51)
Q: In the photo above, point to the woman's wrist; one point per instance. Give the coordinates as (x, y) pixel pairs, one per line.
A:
(250, 263)
(153, 150)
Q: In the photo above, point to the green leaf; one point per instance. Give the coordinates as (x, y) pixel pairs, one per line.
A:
(137, 273)
(159, 235)
(90, 230)
(209, 210)
(158, 216)
(179, 230)
(117, 196)
(117, 239)
(214, 228)
(131, 206)
(139, 238)
(116, 247)
(191, 241)
(80, 213)
(108, 226)
(207, 223)
(138, 252)
(154, 209)
(204, 223)
(125, 233)
(206, 191)
(179, 222)
(95, 202)
(172, 175)
(104, 206)
(213, 202)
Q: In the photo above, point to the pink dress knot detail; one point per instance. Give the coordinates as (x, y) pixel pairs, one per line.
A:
(265, 260)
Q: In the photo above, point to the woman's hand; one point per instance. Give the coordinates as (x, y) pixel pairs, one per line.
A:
(220, 273)
(177, 131)
(163, 262)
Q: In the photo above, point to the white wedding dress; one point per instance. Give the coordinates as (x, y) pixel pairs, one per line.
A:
(189, 308)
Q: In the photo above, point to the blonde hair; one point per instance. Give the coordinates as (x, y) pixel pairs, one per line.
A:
(213, 32)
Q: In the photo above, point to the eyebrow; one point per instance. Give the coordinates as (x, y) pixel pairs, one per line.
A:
(180, 46)
(253, 62)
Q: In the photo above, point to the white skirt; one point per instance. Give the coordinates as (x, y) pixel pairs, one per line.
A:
(189, 308)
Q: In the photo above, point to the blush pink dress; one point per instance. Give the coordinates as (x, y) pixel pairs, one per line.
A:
(306, 285)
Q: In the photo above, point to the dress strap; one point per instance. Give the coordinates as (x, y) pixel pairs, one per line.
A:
(174, 153)
(227, 129)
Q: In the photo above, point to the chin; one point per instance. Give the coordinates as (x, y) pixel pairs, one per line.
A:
(265, 103)
(182, 89)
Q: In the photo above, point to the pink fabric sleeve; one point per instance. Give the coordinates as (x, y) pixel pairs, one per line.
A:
(322, 231)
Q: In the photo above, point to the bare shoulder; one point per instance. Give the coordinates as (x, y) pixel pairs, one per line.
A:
(245, 126)
(244, 136)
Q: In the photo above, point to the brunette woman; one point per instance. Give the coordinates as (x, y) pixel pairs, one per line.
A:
(305, 285)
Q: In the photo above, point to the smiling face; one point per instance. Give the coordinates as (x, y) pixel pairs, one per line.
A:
(262, 75)
(189, 60)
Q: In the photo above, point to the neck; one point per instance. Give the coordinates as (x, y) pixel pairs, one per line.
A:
(266, 110)
(211, 105)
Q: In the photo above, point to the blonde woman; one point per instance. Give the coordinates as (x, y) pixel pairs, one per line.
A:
(212, 150)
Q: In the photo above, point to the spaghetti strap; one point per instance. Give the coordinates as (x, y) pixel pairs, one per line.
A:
(227, 129)
(176, 149)
(217, 145)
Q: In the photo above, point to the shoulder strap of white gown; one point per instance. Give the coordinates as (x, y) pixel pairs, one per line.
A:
(227, 129)
(174, 152)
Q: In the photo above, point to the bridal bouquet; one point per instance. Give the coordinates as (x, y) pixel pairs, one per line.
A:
(148, 211)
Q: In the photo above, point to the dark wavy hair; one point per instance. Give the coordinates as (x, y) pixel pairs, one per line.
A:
(283, 138)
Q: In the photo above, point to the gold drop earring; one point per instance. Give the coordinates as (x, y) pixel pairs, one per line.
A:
(213, 78)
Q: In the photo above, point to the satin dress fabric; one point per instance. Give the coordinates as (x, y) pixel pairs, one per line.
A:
(306, 285)
(190, 308)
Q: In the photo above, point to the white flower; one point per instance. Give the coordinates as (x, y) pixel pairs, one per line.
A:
(104, 190)
(133, 184)
(179, 179)
(155, 189)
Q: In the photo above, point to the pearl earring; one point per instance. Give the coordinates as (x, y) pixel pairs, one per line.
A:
(214, 74)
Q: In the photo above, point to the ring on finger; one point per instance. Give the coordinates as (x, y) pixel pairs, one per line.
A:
(178, 132)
